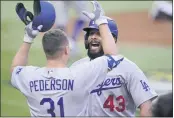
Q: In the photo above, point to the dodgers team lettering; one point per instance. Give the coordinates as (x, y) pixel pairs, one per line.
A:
(109, 83)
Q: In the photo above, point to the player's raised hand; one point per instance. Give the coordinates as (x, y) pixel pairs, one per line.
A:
(97, 14)
(30, 33)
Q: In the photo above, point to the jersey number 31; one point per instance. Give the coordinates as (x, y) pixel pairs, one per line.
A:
(52, 106)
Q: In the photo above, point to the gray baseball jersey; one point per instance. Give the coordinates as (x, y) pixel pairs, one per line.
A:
(60, 91)
(123, 90)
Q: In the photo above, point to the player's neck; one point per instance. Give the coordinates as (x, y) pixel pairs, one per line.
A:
(56, 64)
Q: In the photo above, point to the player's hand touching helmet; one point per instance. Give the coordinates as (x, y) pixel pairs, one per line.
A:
(97, 15)
(30, 33)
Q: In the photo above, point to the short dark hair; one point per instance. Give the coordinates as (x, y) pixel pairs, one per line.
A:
(53, 41)
(163, 105)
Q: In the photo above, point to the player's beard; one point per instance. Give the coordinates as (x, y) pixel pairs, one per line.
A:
(93, 55)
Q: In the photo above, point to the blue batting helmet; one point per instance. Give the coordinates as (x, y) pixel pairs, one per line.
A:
(44, 15)
(111, 24)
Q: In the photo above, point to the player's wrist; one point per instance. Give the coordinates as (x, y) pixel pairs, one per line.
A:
(30, 33)
(27, 39)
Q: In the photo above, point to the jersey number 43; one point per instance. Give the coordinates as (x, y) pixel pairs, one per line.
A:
(109, 103)
(52, 106)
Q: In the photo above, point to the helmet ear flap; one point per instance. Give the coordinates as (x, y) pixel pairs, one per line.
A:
(86, 41)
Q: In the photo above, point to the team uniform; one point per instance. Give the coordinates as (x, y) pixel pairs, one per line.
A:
(123, 90)
(60, 91)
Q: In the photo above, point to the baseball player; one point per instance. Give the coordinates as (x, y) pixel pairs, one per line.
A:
(124, 89)
(55, 90)
(62, 9)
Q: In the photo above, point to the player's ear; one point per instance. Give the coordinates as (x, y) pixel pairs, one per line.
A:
(67, 50)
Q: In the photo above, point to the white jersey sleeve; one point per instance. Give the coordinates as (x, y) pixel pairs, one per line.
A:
(95, 69)
(18, 78)
(139, 87)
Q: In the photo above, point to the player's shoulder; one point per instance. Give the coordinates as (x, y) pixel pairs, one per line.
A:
(24, 72)
(31, 68)
(126, 64)
(129, 62)
(85, 59)
(27, 70)
(80, 61)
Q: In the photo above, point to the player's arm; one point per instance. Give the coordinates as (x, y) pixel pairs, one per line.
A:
(95, 70)
(161, 106)
(141, 91)
(145, 108)
(18, 67)
(21, 56)
(108, 42)
(109, 47)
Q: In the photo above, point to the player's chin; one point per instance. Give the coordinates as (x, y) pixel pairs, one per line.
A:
(94, 49)
(95, 53)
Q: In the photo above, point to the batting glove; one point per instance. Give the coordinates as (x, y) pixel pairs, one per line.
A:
(97, 15)
(30, 34)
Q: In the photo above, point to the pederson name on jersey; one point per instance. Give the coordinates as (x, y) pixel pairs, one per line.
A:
(51, 84)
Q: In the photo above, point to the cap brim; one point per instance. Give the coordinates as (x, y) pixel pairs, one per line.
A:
(89, 28)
